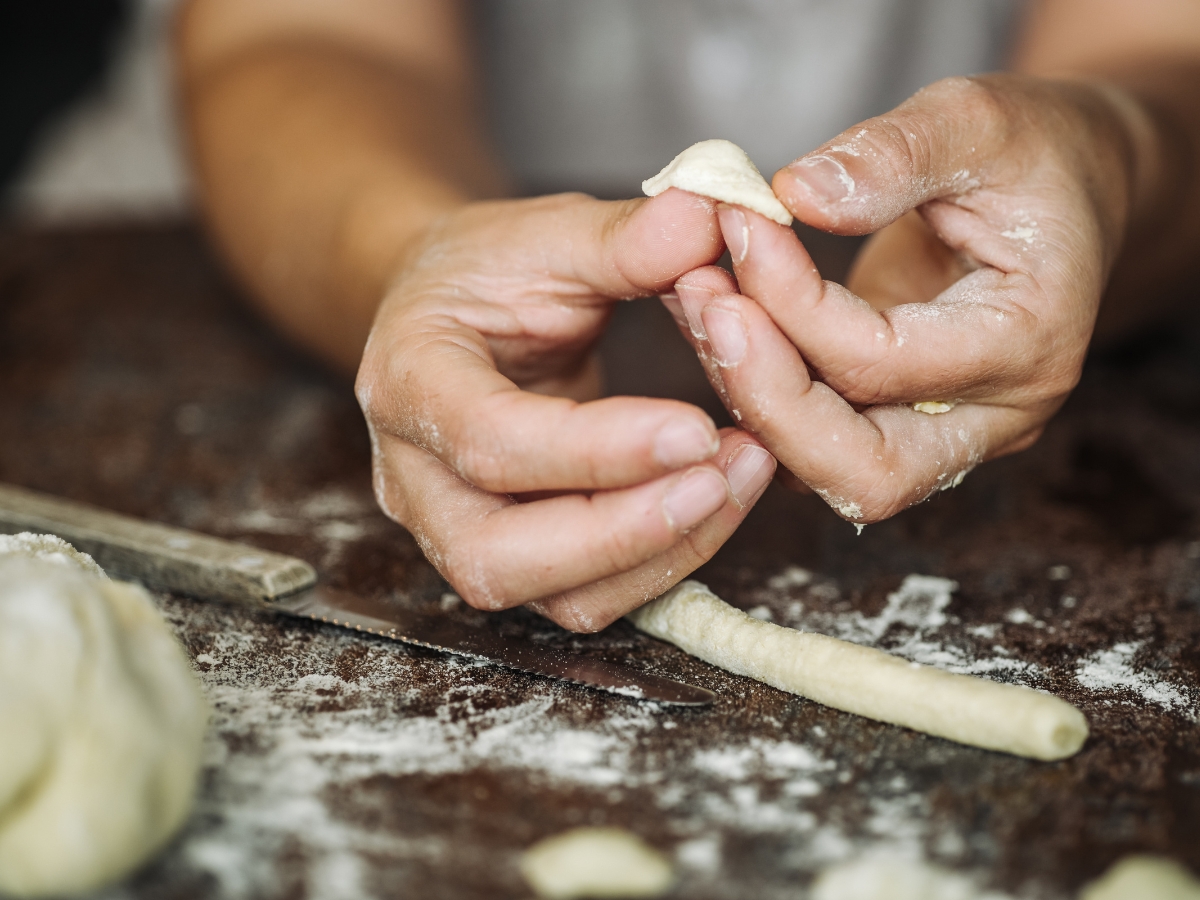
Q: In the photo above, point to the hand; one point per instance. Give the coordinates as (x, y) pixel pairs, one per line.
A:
(471, 384)
(1002, 203)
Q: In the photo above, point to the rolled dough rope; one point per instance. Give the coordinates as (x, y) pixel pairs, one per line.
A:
(863, 680)
(720, 170)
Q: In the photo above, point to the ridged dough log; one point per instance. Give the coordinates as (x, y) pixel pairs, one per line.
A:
(863, 680)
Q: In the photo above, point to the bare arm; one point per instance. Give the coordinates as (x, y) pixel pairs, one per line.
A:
(326, 137)
(1150, 52)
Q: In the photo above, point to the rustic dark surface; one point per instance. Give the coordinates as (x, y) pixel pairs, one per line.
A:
(338, 766)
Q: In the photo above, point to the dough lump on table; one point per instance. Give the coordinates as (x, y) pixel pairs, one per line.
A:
(863, 680)
(720, 170)
(1143, 878)
(101, 723)
(597, 863)
(894, 877)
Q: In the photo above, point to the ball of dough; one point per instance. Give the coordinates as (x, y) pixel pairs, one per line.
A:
(102, 723)
(598, 863)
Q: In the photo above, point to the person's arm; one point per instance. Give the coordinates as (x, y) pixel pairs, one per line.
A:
(325, 138)
(1150, 52)
(343, 170)
(999, 207)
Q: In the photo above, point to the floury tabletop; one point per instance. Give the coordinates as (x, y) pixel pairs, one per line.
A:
(197, 565)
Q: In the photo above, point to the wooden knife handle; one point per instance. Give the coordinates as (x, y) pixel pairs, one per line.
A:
(160, 557)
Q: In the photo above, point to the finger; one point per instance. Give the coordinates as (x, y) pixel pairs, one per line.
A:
(647, 250)
(867, 466)
(438, 388)
(978, 339)
(622, 249)
(941, 142)
(498, 553)
(749, 469)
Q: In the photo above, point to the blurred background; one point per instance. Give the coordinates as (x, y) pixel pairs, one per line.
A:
(590, 97)
(87, 123)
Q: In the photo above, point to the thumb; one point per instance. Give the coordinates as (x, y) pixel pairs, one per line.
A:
(931, 146)
(638, 247)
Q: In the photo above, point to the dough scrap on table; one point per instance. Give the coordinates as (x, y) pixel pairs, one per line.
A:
(721, 170)
(102, 723)
(598, 863)
(863, 680)
(1142, 878)
(887, 876)
(933, 407)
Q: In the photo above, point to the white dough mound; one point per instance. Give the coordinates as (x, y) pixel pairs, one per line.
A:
(893, 877)
(1143, 878)
(596, 863)
(720, 170)
(102, 723)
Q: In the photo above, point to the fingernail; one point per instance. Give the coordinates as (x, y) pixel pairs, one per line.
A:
(726, 334)
(683, 441)
(748, 471)
(671, 301)
(825, 177)
(693, 498)
(694, 300)
(736, 231)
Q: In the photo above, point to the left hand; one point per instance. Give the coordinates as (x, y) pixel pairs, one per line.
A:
(1000, 204)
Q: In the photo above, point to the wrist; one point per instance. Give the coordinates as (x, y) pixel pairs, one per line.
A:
(1144, 150)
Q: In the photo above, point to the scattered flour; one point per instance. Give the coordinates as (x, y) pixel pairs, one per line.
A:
(907, 627)
(1110, 670)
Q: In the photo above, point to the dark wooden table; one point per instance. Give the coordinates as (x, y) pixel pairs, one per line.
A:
(341, 767)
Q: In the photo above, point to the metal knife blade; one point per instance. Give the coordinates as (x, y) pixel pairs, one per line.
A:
(198, 565)
(326, 604)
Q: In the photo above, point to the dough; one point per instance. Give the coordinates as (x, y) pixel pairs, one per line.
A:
(102, 723)
(1142, 878)
(933, 407)
(893, 877)
(596, 862)
(721, 170)
(863, 680)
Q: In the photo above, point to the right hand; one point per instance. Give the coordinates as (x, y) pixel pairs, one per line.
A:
(472, 382)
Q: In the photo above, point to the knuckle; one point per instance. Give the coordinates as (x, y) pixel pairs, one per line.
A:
(479, 463)
(480, 585)
(899, 145)
(622, 549)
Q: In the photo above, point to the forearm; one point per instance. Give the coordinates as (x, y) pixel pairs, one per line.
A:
(1144, 61)
(317, 168)
(1158, 270)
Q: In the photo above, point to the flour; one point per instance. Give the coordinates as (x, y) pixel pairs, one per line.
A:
(907, 627)
(1110, 671)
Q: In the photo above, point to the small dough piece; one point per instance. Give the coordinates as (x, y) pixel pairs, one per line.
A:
(720, 170)
(596, 862)
(1142, 878)
(863, 680)
(894, 877)
(933, 407)
(102, 723)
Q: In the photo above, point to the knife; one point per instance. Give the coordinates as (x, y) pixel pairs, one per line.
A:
(185, 562)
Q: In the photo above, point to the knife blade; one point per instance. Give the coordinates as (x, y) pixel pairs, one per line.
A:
(326, 604)
(197, 565)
